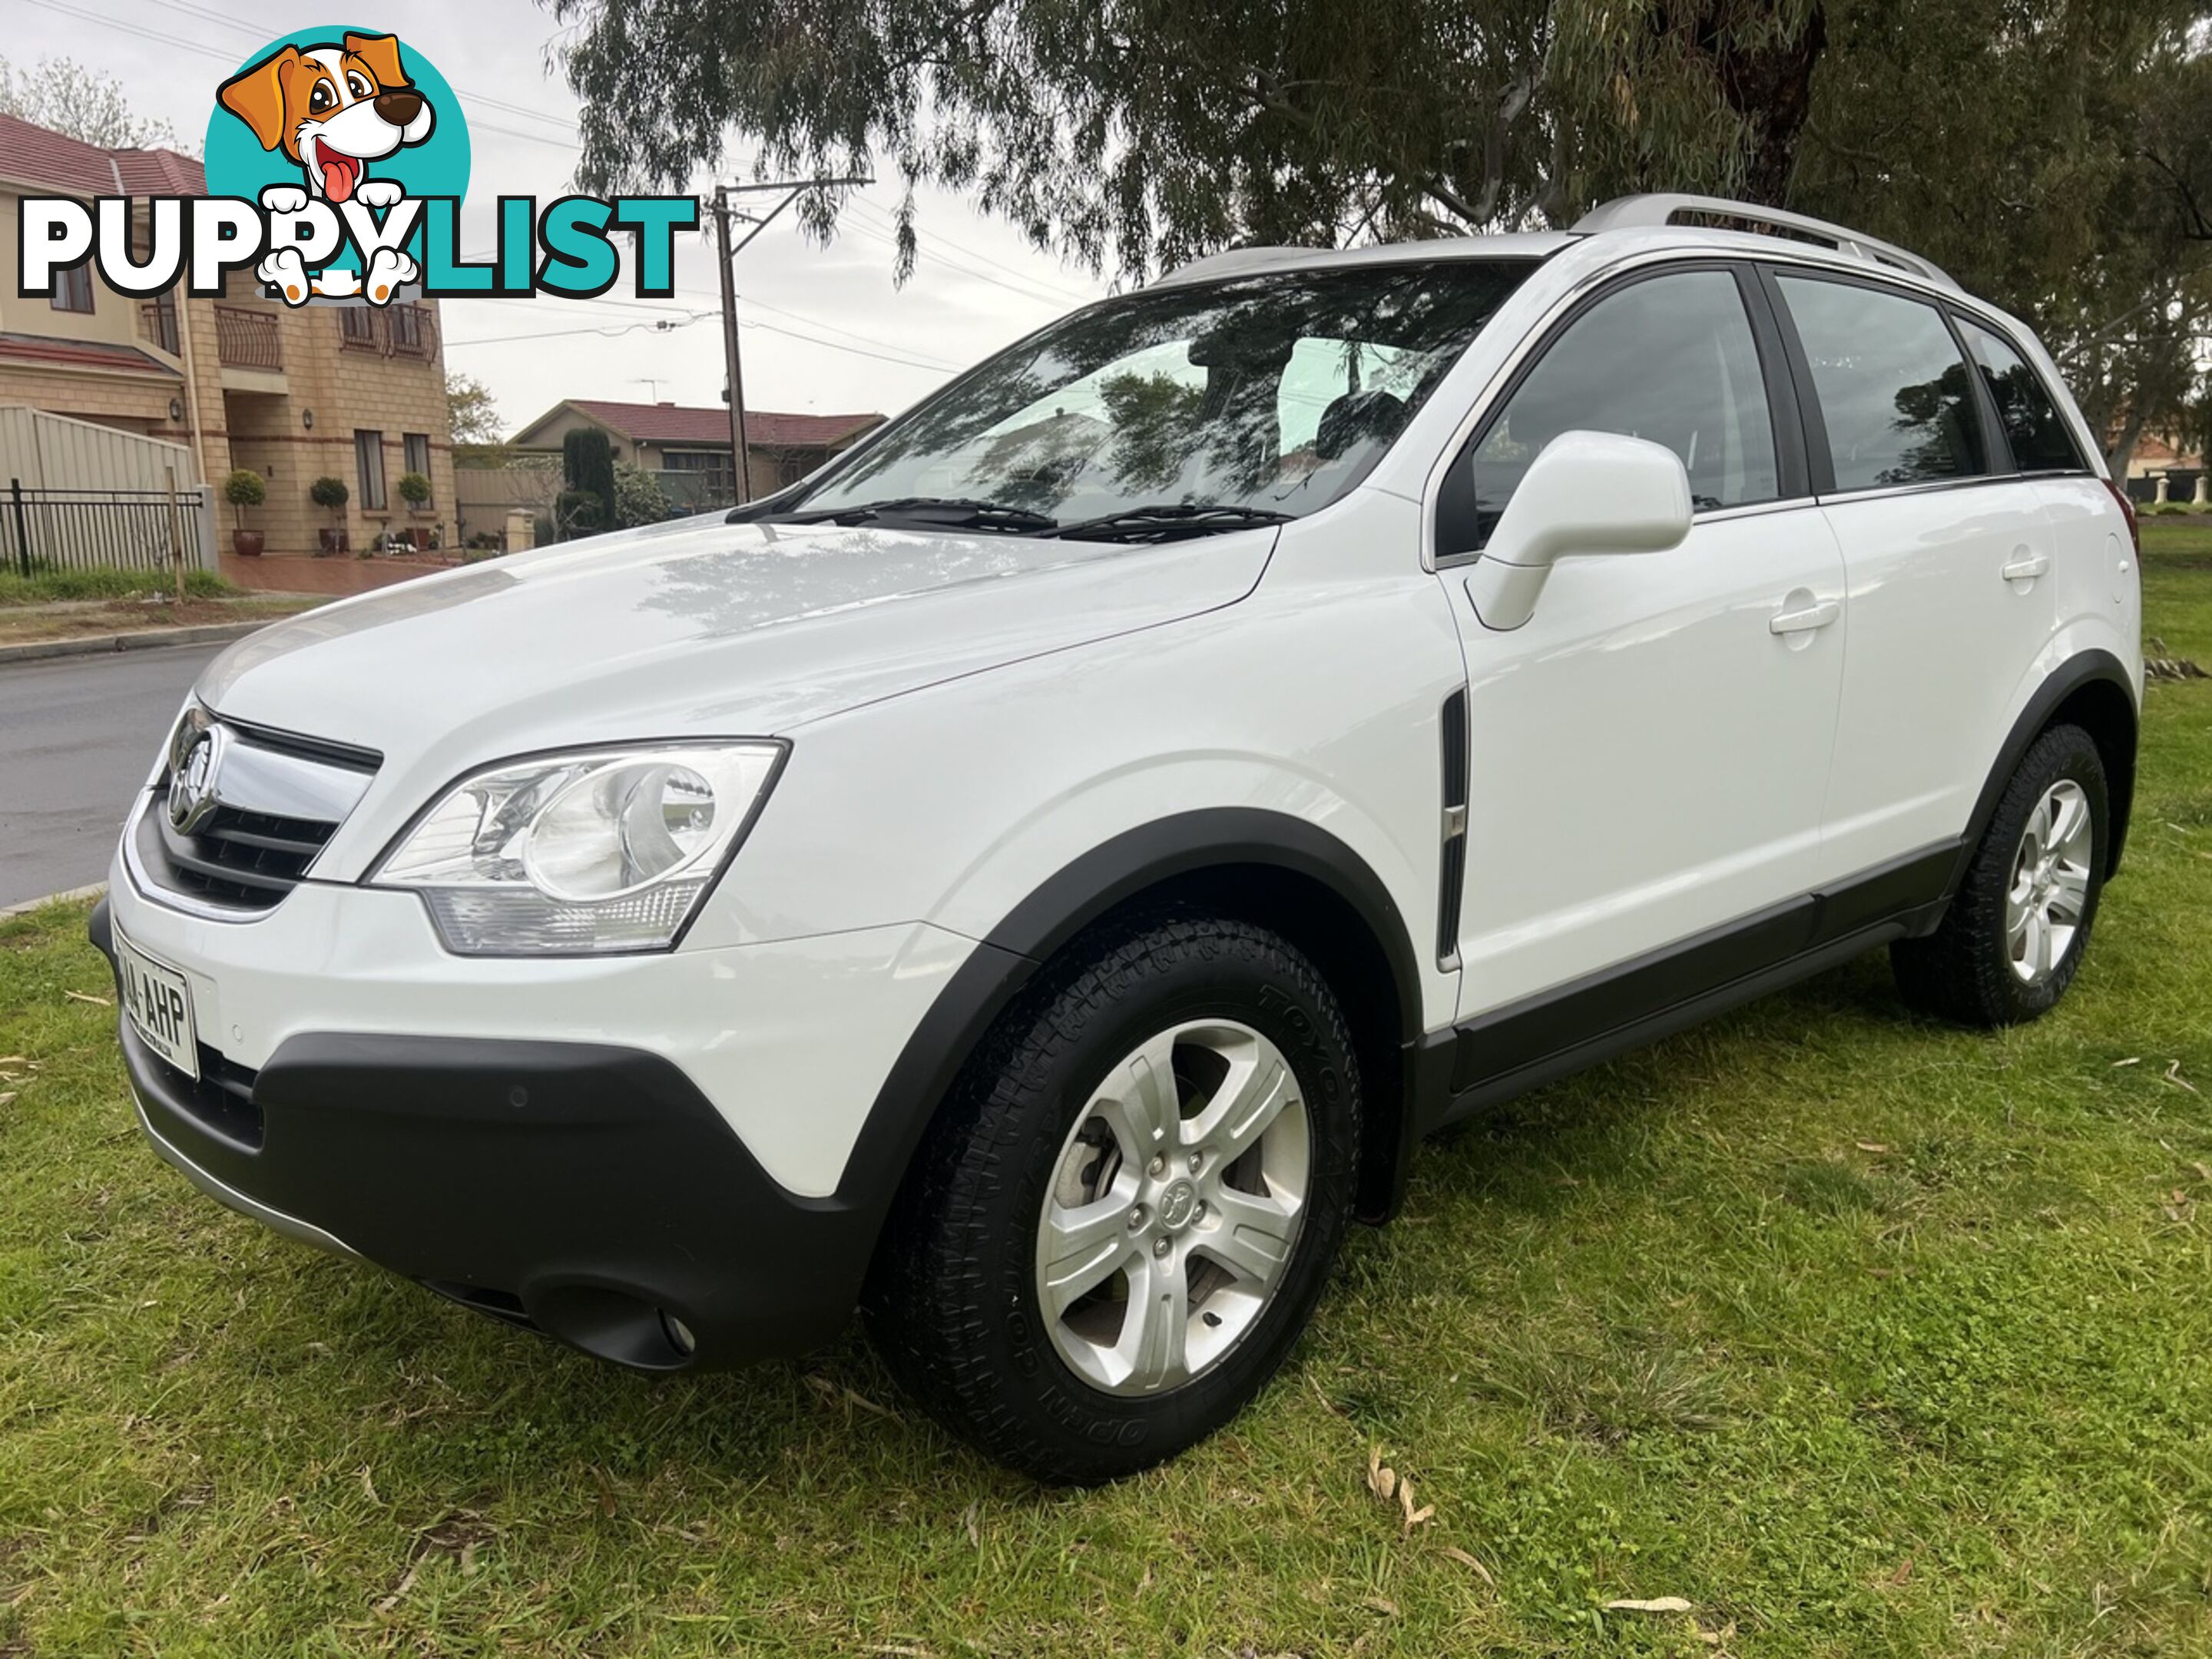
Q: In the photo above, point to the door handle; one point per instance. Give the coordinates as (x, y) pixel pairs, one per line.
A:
(1806, 617)
(2025, 568)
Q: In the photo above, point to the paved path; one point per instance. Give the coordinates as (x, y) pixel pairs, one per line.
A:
(273, 573)
(78, 737)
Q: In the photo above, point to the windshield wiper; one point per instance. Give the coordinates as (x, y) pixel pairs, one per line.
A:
(1168, 523)
(955, 512)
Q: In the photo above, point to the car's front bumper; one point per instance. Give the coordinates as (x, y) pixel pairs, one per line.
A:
(543, 1158)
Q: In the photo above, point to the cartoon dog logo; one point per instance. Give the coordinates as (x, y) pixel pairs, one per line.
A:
(332, 109)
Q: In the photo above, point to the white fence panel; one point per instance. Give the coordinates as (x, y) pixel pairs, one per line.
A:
(53, 451)
(75, 495)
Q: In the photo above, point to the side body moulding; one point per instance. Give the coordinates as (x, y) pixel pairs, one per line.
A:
(1418, 1081)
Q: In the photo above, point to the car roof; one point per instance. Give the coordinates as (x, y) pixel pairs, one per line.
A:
(1656, 220)
(1251, 261)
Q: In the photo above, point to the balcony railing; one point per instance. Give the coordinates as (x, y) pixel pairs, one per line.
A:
(157, 323)
(398, 331)
(247, 339)
(410, 327)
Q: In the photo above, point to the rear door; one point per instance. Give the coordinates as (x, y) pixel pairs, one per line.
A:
(1949, 554)
(1648, 752)
(2094, 572)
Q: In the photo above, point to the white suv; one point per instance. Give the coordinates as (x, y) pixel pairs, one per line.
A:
(1039, 877)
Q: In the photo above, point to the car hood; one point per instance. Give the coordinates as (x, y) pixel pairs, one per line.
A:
(696, 628)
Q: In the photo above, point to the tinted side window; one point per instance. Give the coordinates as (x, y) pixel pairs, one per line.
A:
(1670, 359)
(2040, 442)
(1892, 387)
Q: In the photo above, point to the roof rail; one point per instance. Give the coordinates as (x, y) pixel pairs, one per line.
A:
(1667, 208)
(1235, 261)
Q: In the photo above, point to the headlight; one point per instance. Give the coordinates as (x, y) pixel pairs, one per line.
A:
(581, 853)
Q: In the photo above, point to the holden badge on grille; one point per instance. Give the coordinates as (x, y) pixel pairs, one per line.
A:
(192, 782)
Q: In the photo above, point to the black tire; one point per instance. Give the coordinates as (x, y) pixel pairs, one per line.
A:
(1963, 971)
(953, 1305)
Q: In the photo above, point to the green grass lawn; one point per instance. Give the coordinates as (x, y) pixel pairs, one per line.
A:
(1861, 1335)
(45, 587)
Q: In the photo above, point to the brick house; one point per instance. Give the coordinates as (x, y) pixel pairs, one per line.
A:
(2161, 459)
(241, 381)
(689, 448)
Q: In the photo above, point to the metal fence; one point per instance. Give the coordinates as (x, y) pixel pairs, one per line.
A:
(2180, 485)
(43, 530)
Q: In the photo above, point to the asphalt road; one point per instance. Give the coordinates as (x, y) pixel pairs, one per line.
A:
(78, 737)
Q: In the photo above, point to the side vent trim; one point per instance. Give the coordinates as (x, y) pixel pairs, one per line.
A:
(1452, 867)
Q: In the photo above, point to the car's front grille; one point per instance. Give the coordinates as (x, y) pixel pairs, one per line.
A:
(245, 859)
(271, 802)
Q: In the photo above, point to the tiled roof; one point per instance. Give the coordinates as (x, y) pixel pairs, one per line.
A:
(38, 155)
(2159, 450)
(667, 424)
(80, 354)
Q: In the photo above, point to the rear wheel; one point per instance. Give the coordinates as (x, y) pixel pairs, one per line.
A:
(1121, 1220)
(2015, 932)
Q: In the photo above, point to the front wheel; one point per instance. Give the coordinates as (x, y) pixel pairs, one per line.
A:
(1121, 1220)
(2014, 934)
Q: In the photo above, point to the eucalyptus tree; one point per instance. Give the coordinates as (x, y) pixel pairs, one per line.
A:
(1131, 134)
(2056, 157)
(2056, 154)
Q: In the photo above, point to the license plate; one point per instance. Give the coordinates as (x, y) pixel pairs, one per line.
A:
(157, 1000)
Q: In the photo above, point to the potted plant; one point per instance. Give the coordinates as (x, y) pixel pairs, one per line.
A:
(331, 495)
(414, 490)
(243, 489)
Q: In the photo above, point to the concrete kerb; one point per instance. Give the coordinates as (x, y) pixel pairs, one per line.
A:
(150, 639)
(68, 897)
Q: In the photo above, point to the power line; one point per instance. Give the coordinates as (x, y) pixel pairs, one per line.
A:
(1033, 295)
(863, 204)
(865, 339)
(564, 333)
(957, 266)
(613, 332)
(897, 352)
(184, 8)
(159, 39)
(858, 352)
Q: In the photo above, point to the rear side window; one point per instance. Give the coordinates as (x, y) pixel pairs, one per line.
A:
(1670, 359)
(2039, 440)
(1894, 390)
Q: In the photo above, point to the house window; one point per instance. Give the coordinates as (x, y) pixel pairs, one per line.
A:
(368, 462)
(408, 336)
(356, 326)
(709, 473)
(73, 289)
(417, 448)
(158, 316)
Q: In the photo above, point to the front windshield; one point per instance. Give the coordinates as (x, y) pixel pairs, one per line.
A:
(1267, 395)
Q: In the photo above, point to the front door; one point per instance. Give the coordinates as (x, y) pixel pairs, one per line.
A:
(1649, 752)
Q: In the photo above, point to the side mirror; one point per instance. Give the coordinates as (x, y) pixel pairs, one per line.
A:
(1589, 492)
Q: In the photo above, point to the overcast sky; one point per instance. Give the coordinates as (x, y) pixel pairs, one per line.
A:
(977, 284)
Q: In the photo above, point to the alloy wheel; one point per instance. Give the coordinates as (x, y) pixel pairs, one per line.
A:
(2049, 892)
(1173, 1208)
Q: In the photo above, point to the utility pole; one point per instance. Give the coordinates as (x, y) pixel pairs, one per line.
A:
(725, 258)
(734, 390)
